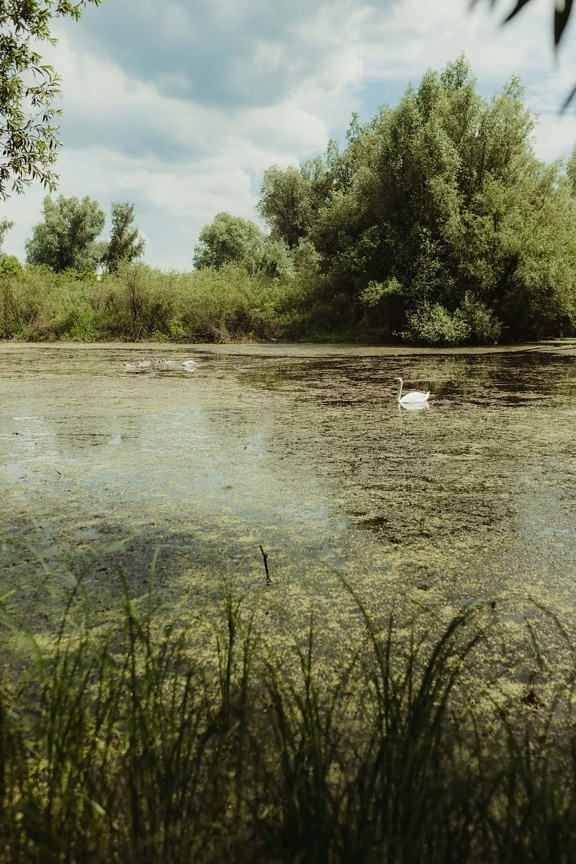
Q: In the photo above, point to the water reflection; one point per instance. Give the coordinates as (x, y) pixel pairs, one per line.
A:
(414, 406)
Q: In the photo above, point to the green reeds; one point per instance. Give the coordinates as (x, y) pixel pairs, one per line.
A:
(153, 743)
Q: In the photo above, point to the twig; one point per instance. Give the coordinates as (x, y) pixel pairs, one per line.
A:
(265, 558)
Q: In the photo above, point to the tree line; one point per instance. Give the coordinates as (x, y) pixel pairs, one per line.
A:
(435, 222)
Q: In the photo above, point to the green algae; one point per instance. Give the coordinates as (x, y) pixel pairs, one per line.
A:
(302, 452)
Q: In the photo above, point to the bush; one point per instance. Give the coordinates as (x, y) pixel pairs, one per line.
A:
(484, 327)
(434, 325)
(37, 304)
(472, 322)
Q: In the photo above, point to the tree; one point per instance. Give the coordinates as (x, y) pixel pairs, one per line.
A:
(125, 243)
(571, 171)
(68, 236)
(230, 239)
(28, 91)
(290, 199)
(439, 219)
(5, 226)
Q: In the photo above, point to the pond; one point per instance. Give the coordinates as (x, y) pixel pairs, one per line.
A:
(112, 474)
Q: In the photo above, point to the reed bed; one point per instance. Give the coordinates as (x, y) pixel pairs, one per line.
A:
(139, 744)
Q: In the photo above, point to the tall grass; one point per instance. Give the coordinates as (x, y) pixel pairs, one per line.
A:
(142, 744)
(140, 303)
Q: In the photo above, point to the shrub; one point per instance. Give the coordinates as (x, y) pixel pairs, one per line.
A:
(484, 326)
(434, 325)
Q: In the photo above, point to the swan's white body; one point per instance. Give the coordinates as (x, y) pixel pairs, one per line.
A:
(189, 365)
(414, 397)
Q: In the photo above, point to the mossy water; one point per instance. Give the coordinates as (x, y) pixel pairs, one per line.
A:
(444, 738)
(298, 451)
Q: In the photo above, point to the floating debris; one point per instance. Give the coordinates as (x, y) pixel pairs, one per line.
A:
(160, 364)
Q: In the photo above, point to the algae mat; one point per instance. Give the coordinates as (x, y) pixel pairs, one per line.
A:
(111, 476)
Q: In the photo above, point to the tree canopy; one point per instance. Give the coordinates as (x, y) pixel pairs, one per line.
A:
(69, 237)
(437, 221)
(233, 240)
(126, 243)
(28, 92)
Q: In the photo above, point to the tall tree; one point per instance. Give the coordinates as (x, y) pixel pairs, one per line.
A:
(28, 91)
(291, 197)
(438, 204)
(67, 238)
(230, 239)
(126, 242)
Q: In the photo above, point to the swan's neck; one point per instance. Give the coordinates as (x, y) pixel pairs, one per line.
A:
(399, 396)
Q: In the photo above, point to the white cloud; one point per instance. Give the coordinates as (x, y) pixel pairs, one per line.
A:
(179, 107)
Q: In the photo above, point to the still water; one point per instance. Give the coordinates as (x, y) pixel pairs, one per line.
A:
(301, 452)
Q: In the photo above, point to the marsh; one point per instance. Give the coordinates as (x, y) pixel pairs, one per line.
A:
(185, 475)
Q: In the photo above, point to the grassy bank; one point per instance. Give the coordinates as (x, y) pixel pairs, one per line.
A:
(142, 744)
(140, 303)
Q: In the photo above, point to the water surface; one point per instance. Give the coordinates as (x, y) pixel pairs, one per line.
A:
(301, 451)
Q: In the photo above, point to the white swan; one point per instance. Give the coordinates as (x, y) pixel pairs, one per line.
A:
(189, 365)
(414, 397)
(166, 364)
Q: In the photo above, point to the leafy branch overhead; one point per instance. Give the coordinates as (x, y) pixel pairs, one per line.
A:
(561, 17)
(29, 89)
(562, 12)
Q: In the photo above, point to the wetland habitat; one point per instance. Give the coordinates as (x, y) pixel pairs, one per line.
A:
(404, 682)
(300, 450)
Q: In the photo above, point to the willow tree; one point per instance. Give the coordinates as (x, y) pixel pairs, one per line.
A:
(68, 236)
(29, 89)
(435, 208)
(126, 243)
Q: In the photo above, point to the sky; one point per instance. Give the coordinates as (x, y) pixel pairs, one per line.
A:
(179, 106)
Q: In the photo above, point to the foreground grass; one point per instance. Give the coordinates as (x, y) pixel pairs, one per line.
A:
(144, 746)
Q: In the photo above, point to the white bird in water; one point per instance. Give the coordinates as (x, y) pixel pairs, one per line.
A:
(189, 365)
(414, 397)
(138, 366)
(166, 364)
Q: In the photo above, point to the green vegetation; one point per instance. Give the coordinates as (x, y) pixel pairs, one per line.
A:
(437, 221)
(436, 224)
(152, 743)
(68, 238)
(137, 302)
(125, 243)
(29, 89)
